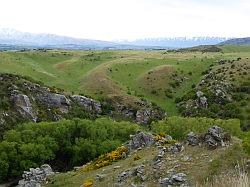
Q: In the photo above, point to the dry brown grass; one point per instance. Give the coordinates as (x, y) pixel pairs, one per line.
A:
(236, 178)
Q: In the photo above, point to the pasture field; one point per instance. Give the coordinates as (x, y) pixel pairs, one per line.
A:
(155, 75)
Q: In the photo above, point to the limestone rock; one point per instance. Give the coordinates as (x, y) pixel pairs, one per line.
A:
(53, 100)
(192, 139)
(216, 132)
(213, 138)
(140, 139)
(35, 176)
(140, 172)
(221, 62)
(176, 148)
(22, 102)
(88, 104)
(100, 177)
(126, 112)
(123, 176)
(145, 116)
(175, 179)
(203, 102)
(199, 94)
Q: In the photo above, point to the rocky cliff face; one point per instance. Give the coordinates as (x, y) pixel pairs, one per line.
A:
(23, 100)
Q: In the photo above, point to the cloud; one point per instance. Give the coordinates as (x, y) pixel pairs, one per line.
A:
(128, 19)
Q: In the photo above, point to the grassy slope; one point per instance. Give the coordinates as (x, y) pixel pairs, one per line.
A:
(135, 77)
(117, 73)
(55, 68)
(204, 164)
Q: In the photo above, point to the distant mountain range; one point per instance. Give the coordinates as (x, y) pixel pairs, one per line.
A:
(29, 40)
(16, 40)
(237, 41)
(176, 42)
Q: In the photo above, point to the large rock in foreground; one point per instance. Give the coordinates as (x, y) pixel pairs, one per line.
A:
(35, 176)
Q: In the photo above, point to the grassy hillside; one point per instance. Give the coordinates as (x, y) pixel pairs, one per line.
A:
(203, 166)
(203, 169)
(157, 76)
(169, 79)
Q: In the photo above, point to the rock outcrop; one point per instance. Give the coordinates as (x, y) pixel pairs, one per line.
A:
(89, 104)
(214, 138)
(147, 115)
(141, 112)
(26, 100)
(24, 106)
(215, 95)
(54, 100)
(35, 176)
(140, 140)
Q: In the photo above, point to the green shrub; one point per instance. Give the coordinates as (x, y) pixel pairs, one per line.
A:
(64, 144)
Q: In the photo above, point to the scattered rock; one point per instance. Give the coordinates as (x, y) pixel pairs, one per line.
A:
(203, 102)
(175, 179)
(216, 132)
(78, 168)
(123, 176)
(248, 163)
(192, 139)
(140, 172)
(116, 167)
(168, 137)
(176, 148)
(221, 62)
(100, 177)
(186, 158)
(137, 171)
(199, 94)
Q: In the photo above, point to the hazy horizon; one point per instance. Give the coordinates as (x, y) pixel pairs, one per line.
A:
(13, 30)
(113, 20)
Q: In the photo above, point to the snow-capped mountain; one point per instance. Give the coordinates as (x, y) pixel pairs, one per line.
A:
(237, 41)
(14, 37)
(11, 37)
(176, 42)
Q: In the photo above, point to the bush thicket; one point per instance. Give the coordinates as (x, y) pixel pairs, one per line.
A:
(179, 127)
(62, 144)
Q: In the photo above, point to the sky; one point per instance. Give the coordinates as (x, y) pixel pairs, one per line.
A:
(128, 19)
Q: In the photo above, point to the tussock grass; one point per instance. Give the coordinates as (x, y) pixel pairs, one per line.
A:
(237, 178)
